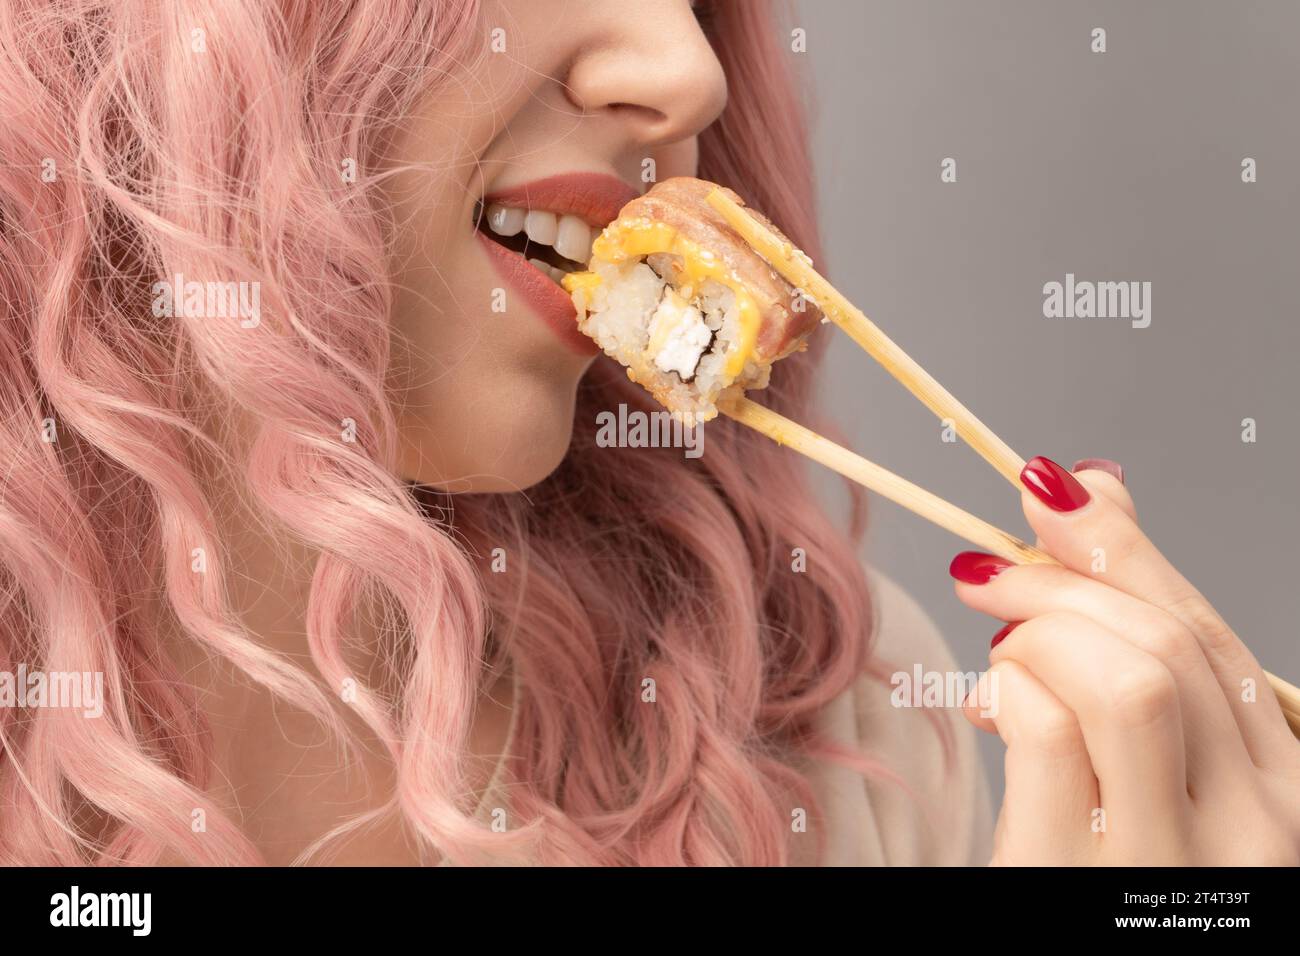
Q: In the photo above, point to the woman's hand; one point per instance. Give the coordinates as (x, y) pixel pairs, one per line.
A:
(1139, 728)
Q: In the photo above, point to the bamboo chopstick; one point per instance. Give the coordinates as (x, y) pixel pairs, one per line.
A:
(1288, 695)
(798, 271)
(929, 506)
(882, 481)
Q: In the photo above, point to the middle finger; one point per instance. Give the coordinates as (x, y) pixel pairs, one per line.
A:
(1020, 593)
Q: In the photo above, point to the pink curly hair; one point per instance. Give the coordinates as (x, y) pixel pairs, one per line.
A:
(624, 565)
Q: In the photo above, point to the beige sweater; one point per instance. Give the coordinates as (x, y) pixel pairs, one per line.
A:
(946, 819)
(941, 816)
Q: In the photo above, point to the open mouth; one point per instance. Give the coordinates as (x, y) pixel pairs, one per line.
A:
(554, 243)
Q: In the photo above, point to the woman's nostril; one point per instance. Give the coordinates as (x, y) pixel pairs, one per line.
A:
(634, 111)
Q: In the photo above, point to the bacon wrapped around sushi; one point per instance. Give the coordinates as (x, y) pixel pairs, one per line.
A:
(681, 300)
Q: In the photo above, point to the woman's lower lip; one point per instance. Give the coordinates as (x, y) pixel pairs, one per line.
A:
(541, 294)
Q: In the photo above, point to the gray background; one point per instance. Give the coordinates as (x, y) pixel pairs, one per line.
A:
(1116, 166)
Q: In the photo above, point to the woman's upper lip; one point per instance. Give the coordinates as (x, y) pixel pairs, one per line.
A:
(594, 197)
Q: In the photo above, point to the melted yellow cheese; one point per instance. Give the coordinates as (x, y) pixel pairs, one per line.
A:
(628, 239)
(574, 281)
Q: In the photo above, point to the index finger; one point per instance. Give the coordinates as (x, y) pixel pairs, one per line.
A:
(1089, 533)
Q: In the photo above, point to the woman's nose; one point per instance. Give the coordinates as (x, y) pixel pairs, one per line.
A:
(649, 67)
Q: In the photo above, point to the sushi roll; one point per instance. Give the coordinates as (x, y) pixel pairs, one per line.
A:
(681, 300)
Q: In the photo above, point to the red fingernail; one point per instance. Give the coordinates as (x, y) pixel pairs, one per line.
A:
(976, 567)
(1001, 635)
(1053, 485)
(1112, 468)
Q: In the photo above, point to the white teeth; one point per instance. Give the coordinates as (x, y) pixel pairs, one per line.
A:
(505, 221)
(573, 239)
(540, 226)
(555, 273)
(570, 236)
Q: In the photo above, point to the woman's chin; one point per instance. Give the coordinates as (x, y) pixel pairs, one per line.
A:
(495, 447)
(504, 477)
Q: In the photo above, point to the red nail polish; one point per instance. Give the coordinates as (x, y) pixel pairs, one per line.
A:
(976, 567)
(1053, 485)
(1112, 468)
(1001, 635)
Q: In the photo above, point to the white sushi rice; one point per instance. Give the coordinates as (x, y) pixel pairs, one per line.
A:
(635, 305)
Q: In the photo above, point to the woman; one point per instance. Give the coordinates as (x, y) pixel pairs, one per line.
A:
(361, 584)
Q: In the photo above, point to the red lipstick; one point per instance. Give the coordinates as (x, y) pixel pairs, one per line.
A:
(541, 294)
(595, 198)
